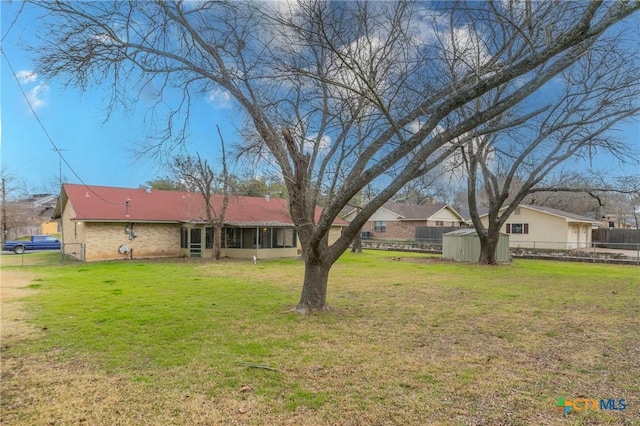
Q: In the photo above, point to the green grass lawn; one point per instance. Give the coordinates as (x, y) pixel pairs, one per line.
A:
(409, 340)
(30, 258)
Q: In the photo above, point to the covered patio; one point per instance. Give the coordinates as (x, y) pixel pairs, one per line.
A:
(264, 241)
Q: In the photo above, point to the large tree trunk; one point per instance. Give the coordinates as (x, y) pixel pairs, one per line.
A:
(314, 288)
(356, 246)
(489, 247)
(217, 241)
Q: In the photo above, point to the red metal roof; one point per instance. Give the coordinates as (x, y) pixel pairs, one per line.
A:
(109, 204)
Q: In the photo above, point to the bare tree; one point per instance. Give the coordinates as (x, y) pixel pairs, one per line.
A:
(440, 184)
(620, 196)
(16, 216)
(631, 193)
(197, 175)
(340, 95)
(576, 121)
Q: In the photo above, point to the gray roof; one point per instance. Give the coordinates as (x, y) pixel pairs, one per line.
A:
(465, 231)
(461, 232)
(572, 216)
(417, 211)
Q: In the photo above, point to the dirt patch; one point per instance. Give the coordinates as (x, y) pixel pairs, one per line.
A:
(71, 393)
(421, 259)
(13, 283)
(13, 317)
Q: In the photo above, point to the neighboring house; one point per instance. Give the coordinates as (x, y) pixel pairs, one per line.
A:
(31, 216)
(50, 227)
(545, 227)
(398, 221)
(103, 223)
(45, 205)
(612, 220)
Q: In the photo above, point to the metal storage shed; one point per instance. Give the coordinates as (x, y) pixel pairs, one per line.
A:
(463, 245)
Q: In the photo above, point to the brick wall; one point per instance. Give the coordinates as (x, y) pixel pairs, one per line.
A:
(395, 230)
(445, 223)
(405, 230)
(153, 240)
(73, 232)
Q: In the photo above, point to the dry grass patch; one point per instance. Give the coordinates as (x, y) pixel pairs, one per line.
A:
(406, 342)
(13, 317)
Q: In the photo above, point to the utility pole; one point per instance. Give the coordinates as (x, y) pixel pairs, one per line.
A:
(4, 210)
(59, 151)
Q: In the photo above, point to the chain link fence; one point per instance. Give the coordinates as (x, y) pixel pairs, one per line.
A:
(69, 253)
(600, 252)
(596, 252)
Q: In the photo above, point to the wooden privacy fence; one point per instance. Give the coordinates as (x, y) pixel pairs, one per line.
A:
(433, 233)
(616, 237)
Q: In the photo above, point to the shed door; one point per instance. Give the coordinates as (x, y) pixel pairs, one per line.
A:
(195, 242)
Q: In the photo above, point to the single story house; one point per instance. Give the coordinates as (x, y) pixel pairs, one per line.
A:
(106, 223)
(546, 228)
(398, 221)
(612, 220)
(30, 216)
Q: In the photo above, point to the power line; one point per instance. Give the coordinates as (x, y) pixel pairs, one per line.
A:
(55, 147)
(15, 19)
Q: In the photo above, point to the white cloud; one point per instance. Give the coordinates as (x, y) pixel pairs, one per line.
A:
(465, 51)
(462, 47)
(428, 26)
(219, 97)
(414, 127)
(364, 53)
(35, 96)
(288, 7)
(26, 76)
(311, 141)
(105, 39)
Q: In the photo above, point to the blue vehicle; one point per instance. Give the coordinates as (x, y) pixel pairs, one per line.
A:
(37, 242)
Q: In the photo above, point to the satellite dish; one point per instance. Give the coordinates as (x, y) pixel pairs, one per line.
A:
(123, 249)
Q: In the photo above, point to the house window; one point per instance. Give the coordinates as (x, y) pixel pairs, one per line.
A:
(283, 237)
(517, 228)
(256, 237)
(184, 237)
(233, 238)
(439, 222)
(379, 226)
(208, 238)
(259, 237)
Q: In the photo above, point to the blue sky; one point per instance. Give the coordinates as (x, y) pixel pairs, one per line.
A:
(102, 153)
